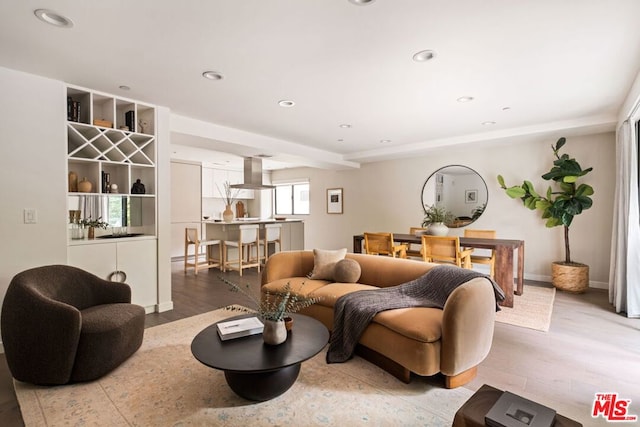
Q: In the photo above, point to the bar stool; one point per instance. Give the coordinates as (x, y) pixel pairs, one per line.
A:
(191, 238)
(272, 233)
(248, 236)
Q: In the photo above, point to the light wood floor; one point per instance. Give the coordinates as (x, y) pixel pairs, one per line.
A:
(588, 348)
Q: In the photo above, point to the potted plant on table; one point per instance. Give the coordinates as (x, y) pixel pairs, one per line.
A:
(273, 309)
(558, 208)
(229, 195)
(436, 219)
(92, 224)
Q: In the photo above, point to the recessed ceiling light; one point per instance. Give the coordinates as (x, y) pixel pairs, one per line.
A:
(212, 75)
(361, 2)
(488, 123)
(124, 87)
(424, 55)
(53, 18)
(286, 103)
(465, 99)
(385, 141)
(345, 126)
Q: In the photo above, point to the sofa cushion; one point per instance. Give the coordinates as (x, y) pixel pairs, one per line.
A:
(299, 285)
(332, 291)
(422, 324)
(324, 262)
(347, 271)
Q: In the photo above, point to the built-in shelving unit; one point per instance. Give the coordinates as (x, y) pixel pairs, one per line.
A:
(112, 143)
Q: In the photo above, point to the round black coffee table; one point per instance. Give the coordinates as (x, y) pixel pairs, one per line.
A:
(255, 370)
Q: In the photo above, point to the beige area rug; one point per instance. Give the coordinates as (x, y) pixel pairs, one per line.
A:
(164, 385)
(530, 310)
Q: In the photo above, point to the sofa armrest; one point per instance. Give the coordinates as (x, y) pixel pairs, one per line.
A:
(282, 265)
(107, 292)
(467, 326)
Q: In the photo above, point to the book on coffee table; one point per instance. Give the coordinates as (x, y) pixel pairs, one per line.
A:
(511, 410)
(239, 328)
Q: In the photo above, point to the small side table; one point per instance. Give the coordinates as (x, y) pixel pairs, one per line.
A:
(472, 412)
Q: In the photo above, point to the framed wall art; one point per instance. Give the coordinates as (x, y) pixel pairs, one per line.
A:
(471, 196)
(334, 200)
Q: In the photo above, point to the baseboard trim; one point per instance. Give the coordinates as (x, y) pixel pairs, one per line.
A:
(165, 306)
(542, 278)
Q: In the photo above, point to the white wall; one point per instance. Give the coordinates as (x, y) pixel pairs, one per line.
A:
(32, 173)
(385, 196)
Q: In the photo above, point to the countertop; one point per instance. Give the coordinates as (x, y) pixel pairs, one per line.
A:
(250, 221)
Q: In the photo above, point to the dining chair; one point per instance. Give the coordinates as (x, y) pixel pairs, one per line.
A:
(201, 247)
(247, 237)
(445, 250)
(414, 249)
(383, 244)
(483, 256)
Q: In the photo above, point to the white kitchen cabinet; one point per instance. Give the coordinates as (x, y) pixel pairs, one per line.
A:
(208, 183)
(214, 179)
(135, 257)
(292, 236)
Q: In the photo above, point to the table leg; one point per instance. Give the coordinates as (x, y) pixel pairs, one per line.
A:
(504, 273)
(261, 386)
(520, 288)
(357, 244)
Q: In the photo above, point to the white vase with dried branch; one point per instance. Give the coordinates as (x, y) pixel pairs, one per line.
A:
(229, 195)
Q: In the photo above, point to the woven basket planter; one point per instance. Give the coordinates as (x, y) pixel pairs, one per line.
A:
(570, 277)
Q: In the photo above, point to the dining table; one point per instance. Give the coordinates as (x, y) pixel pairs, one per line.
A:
(504, 253)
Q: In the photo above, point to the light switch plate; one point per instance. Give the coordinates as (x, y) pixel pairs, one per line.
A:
(30, 216)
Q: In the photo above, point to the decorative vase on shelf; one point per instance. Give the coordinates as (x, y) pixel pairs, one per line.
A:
(77, 231)
(73, 182)
(85, 186)
(438, 229)
(227, 215)
(274, 332)
(91, 233)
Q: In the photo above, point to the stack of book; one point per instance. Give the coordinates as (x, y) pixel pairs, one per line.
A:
(130, 120)
(73, 110)
(239, 328)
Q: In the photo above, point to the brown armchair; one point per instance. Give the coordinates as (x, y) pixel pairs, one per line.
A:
(61, 324)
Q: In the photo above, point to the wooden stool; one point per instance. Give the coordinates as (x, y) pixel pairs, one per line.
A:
(248, 236)
(191, 238)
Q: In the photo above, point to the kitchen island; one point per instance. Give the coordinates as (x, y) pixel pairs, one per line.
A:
(292, 230)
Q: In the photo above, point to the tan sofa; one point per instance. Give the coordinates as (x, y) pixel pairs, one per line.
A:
(425, 341)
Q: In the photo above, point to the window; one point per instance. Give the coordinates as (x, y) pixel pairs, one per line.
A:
(292, 198)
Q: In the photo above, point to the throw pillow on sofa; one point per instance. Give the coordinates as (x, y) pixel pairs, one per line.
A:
(324, 262)
(347, 271)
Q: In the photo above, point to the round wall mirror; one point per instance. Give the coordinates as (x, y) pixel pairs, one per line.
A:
(460, 190)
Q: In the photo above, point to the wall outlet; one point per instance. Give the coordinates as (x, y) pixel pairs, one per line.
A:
(30, 216)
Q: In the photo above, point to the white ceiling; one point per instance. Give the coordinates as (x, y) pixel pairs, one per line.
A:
(559, 67)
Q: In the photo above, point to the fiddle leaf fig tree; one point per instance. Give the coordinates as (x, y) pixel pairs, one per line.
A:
(559, 206)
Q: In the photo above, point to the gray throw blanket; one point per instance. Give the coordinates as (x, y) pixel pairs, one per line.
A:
(353, 312)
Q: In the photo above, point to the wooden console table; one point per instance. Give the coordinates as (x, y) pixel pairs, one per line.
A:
(504, 258)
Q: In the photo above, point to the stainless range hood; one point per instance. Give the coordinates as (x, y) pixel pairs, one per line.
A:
(253, 175)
